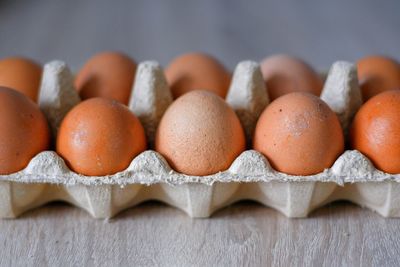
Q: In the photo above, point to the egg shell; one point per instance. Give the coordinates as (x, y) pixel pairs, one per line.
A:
(24, 131)
(250, 176)
(299, 134)
(376, 131)
(197, 71)
(21, 74)
(377, 74)
(107, 74)
(285, 74)
(100, 137)
(200, 134)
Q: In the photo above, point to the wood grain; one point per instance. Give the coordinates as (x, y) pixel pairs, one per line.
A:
(245, 234)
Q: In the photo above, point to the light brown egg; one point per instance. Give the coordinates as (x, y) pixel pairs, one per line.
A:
(200, 134)
(375, 131)
(285, 74)
(99, 137)
(108, 74)
(21, 74)
(197, 71)
(377, 74)
(299, 134)
(24, 131)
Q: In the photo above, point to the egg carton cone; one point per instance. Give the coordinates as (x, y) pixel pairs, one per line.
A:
(149, 177)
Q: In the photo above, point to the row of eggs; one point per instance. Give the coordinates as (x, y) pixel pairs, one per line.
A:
(199, 133)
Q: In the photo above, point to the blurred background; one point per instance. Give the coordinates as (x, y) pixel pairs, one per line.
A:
(318, 31)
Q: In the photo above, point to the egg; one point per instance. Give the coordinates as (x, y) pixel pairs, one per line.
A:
(377, 74)
(199, 134)
(21, 74)
(99, 137)
(197, 71)
(108, 74)
(299, 134)
(375, 131)
(285, 74)
(24, 131)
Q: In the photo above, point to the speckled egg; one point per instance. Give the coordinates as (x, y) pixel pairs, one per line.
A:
(24, 131)
(375, 131)
(200, 134)
(299, 134)
(100, 136)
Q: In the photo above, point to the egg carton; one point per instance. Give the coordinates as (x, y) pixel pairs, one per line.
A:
(149, 177)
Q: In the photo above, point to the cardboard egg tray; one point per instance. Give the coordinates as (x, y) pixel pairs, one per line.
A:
(149, 177)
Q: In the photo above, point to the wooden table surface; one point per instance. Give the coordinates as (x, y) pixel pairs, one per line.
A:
(245, 234)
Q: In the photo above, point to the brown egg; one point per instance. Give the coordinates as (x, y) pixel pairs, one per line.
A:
(375, 131)
(200, 134)
(197, 71)
(377, 74)
(23, 133)
(99, 137)
(285, 74)
(107, 74)
(21, 74)
(299, 134)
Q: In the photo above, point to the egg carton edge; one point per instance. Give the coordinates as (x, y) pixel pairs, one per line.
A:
(150, 98)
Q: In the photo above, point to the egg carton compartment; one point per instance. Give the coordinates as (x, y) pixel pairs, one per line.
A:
(149, 177)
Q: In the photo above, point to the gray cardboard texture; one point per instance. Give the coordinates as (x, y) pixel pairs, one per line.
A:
(149, 177)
